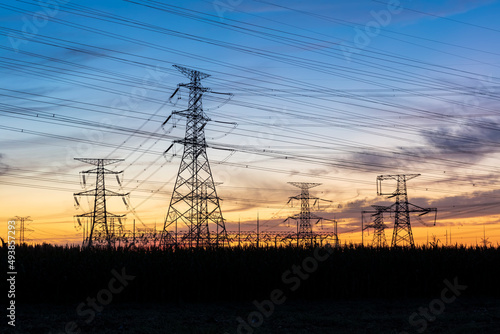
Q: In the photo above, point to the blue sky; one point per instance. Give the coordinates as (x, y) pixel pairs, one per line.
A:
(335, 92)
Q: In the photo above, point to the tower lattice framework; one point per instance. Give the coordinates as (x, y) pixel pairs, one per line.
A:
(378, 225)
(22, 228)
(101, 231)
(305, 234)
(194, 201)
(402, 234)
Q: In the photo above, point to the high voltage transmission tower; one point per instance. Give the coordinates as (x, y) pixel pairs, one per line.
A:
(402, 234)
(305, 233)
(102, 223)
(377, 224)
(21, 228)
(194, 201)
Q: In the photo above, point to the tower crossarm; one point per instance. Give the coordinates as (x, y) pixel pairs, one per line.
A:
(416, 208)
(105, 162)
(190, 142)
(398, 178)
(197, 86)
(422, 211)
(108, 214)
(395, 176)
(188, 114)
(304, 185)
(103, 171)
(299, 197)
(190, 73)
(379, 209)
(311, 216)
(92, 192)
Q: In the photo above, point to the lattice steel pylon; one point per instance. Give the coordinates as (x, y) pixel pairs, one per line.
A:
(21, 228)
(101, 231)
(194, 202)
(305, 233)
(402, 234)
(378, 225)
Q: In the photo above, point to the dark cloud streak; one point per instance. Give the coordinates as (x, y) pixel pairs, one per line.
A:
(4, 168)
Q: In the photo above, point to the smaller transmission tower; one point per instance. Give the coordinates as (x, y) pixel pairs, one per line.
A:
(102, 224)
(378, 225)
(305, 233)
(21, 228)
(402, 234)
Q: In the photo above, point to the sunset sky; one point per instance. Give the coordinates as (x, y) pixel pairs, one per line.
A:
(333, 92)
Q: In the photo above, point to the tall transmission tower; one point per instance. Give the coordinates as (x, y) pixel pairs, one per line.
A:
(102, 224)
(402, 234)
(378, 225)
(305, 233)
(22, 228)
(194, 201)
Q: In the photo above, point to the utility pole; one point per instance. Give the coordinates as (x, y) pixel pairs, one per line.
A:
(101, 227)
(133, 233)
(335, 231)
(194, 202)
(402, 234)
(258, 232)
(362, 229)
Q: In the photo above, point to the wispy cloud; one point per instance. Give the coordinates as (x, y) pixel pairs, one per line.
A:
(471, 141)
(474, 205)
(458, 144)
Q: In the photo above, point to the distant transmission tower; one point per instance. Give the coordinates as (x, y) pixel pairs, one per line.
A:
(21, 228)
(305, 233)
(378, 225)
(194, 201)
(485, 240)
(102, 224)
(402, 234)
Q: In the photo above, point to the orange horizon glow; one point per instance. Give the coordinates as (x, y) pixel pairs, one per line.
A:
(469, 233)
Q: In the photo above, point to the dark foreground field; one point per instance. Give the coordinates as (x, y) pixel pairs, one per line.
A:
(287, 290)
(465, 316)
